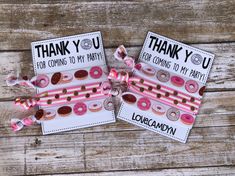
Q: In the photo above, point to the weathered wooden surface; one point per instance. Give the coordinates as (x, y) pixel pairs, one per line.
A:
(113, 151)
(209, 171)
(121, 148)
(120, 22)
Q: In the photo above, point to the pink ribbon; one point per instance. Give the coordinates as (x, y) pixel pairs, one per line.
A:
(121, 55)
(17, 124)
(155, 91)
(68, 95)
(60, 96)
(158, 92)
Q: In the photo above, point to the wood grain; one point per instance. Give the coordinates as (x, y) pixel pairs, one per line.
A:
(222, 75)
(124, 22)
(204, 171)
(111, 151)
(216, 115)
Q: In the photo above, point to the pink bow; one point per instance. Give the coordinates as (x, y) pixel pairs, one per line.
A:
(17, 124)
(121, 55)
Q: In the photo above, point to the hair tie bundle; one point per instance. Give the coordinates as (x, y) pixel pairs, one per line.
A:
(154, 89)
(166, 93)
(121, 55)
(61, 96)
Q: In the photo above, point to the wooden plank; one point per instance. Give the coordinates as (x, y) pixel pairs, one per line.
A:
(218, 109)
(124, 22)
(145, 150)
(222, 75)
(111, 151)
(204, 171)
(210, 149)
(15, 152)
(12, 152)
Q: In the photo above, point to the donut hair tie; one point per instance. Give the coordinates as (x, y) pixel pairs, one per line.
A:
(61, 96)
(39, 81)
(39, 116)
(121, 55)
(17, 124)
(158, 92)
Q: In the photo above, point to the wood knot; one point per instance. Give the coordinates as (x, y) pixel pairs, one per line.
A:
(37, 141)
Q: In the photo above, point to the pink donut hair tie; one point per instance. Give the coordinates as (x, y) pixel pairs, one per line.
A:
(28, 121)
(120, 53)
(119, 76)
(17, 124)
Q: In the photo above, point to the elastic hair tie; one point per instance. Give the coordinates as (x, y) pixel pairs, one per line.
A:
(61, 96)
(121, 55)
(158, 92)
(49, 98)
(39, 81)
(17, 124)
(39, 116)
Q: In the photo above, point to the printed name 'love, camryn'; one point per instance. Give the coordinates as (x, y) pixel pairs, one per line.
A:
(153, 124)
